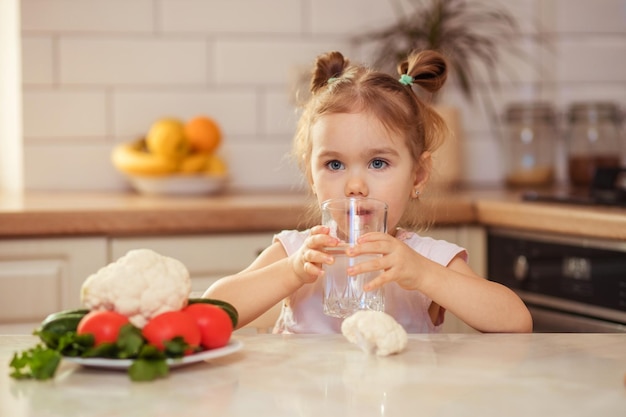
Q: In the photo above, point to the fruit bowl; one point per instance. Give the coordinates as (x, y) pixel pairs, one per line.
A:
(179, 184)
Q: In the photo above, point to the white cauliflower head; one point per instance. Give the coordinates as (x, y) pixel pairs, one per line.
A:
(375, 332)
(139, 285)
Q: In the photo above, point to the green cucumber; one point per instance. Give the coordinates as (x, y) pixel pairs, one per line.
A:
(227, 307)
(57, 324)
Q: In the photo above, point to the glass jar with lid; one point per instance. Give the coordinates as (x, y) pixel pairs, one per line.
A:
(594, 140)
(529, 143)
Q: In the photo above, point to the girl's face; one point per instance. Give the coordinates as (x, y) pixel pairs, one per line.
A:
(353, 155)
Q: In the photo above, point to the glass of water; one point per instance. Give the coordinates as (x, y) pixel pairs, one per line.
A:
(348, 219)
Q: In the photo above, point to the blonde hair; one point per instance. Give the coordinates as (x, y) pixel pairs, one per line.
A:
(339, 87)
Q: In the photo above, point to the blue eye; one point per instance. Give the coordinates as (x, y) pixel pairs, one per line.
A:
(378, 164)
(334, 165)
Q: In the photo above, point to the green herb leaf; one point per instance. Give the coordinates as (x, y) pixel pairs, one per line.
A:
(103, 350)
(39, 363)
(150, 352)
(148, 369)
(74, 344)
(176, 347)
(129, 342)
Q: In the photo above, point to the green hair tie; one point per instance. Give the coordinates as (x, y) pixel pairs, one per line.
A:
(406, 79)
(331, 80)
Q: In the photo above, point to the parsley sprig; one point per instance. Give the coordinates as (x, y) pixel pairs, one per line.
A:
(149, 363)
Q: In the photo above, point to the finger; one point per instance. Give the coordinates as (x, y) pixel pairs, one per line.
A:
(319, 229)
(372, 265)
(380, 248)
(373, 237)
(313, 270)
(377, 282)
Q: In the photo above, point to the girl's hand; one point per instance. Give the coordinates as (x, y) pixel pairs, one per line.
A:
(399, 262)
(308, 260)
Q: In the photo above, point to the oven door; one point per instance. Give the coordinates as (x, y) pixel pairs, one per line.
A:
(568, 284)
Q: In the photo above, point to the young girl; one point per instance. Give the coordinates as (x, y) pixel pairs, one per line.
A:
(365, 133)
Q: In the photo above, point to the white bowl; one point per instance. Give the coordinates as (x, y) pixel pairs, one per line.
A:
(179, 184)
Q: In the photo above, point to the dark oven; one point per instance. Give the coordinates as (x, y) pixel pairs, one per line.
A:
(569, 284)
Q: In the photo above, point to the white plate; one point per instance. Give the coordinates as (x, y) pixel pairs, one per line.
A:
(232, 347)
(179, 184)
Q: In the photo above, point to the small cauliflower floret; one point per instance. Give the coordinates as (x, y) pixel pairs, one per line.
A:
(139, 285)
(375, 332)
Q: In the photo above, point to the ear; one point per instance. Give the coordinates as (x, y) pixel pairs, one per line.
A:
(422, 172)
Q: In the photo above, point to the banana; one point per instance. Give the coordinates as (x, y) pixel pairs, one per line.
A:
(133, 158)
(194, 162)
(215, 165)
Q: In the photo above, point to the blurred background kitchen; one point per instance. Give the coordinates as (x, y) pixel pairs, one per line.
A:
(94, 73)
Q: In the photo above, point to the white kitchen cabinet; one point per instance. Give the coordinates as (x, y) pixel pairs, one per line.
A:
(207, 257)
(42, 276)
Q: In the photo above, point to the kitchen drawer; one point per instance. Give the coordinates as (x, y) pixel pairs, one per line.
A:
(42, 276)
(31, 289)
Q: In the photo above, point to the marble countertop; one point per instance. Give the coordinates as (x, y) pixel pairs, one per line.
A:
(324, 375)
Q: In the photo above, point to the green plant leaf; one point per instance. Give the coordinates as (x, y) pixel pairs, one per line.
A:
(39, 363)
(129, 342)
(148, 369)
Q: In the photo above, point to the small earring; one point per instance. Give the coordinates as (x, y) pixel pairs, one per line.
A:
(417, 193)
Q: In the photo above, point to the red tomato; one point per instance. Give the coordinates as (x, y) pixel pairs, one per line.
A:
(169, 325)
(214, 323)
(103, 325)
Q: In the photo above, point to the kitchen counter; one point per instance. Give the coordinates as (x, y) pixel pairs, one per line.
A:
(324, 375)
(120, 214)
(128, 214)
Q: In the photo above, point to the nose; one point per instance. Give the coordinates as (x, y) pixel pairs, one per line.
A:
(356, 187)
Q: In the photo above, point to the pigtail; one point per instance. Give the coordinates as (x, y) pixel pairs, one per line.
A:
(328, 66)
(428, 69)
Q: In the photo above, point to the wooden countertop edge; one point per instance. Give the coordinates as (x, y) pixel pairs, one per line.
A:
(148, 222)
(46, 215)
(607, 223)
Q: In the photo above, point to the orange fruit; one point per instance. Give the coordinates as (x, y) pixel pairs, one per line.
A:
(203, 134)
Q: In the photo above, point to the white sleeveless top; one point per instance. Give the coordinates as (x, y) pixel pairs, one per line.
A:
(302, 310)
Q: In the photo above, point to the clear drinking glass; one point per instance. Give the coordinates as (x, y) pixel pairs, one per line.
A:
(349, 218)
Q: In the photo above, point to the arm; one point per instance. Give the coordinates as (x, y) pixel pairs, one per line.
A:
(485, 305)
(257, 288)
(273, 276)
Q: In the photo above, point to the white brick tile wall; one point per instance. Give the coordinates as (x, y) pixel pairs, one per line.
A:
(38, 60)
(115, 60)
(87, 16)
(99, 72)
(262, 164)
(231, 17)
(584, 16)
(591, 59)
(281, 116)
(50, 114)
(266, 61)
(235, 110)
(71, 166)
(348, 17)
